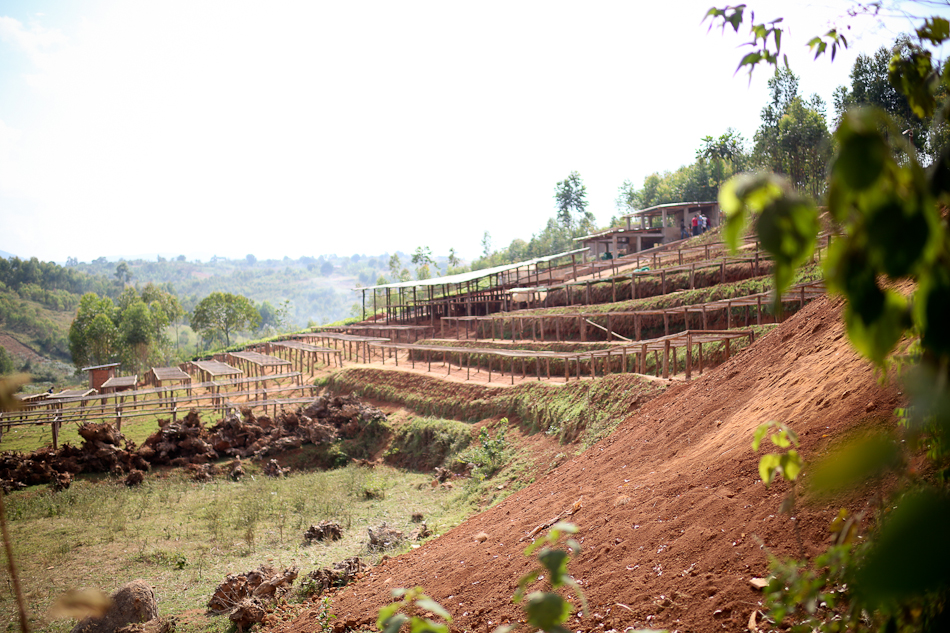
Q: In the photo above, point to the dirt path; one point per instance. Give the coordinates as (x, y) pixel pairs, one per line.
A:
(671, 504)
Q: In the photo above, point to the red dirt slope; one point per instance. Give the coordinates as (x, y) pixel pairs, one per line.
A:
(671, 502)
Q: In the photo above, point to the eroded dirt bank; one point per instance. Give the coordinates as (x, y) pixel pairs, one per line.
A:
(672, 505)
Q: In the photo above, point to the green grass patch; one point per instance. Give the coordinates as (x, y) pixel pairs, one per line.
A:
(425, 443)
(586, 409)
(184, 537)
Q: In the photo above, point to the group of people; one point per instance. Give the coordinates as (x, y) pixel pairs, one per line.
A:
(700, 224)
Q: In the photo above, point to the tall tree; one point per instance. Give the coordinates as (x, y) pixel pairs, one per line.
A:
(793, 139)
(137, 334)
(725, 155)
(223, 313)
(424, 263)
(93, 334)
(570, 196)
(123, 273)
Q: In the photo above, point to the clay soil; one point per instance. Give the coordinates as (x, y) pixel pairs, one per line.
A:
(674, 520)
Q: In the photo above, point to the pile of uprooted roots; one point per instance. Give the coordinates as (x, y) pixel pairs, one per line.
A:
(188, 443)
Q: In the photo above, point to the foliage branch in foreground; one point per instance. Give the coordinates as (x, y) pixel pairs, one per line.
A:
(889, 257)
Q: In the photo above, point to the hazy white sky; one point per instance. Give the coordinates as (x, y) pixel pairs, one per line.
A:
(301, 128)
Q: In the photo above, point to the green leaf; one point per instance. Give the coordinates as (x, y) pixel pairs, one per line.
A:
(853, 463)
(736, 213)
(914, 76)
(768, 465)
(936, 30)
(526, 580)
(876, 337)
(563, 527)
(425, 625)
(932, 309)
(393, 623)
(555, 561)
(428, 604)
(862, 151)
(898, 234)
(911, 554)
(791, 465)
(759, 434)
(780, 438)
(546, 610)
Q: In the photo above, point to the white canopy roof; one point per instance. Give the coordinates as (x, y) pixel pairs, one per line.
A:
(474, 274)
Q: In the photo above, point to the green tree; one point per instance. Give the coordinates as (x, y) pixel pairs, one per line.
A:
(486, 244)
(137, 334)
(570, 196)
(395, 265)
(123, 273)
(454, 260)
(7, 366)
(274, 318)
(793, 139)
(93, 334)
(424, 263)
(726, 155)
(165, 310)
(223, 313)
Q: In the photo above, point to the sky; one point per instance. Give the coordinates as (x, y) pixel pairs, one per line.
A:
(281, 128)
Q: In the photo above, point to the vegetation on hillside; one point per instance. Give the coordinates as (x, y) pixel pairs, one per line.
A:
(887, 199)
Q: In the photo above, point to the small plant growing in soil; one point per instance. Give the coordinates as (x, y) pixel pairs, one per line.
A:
(414, 602)
(547, 610)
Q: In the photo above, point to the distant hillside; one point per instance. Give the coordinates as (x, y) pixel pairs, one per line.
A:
(38, 301)
(319, 288)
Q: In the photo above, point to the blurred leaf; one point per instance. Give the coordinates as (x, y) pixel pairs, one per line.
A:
(877, 336)
(429, 604)
(9, 385)
(546, 610)
(913, 75)
(910, 555)
(393, 623)
(854, 462)
(425, 625)
(932, 307)
(862, 150)
(935, 30)
(555, 561)
(791, 465)
(80, 604)
(759, 434)
(768, 465)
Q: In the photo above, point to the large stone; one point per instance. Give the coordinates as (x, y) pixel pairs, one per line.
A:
(132, 603)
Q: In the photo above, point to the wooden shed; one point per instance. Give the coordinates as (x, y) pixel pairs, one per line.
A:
(99, 374)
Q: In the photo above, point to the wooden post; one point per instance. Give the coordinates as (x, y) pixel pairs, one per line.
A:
(689, 356)
(666, 358)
